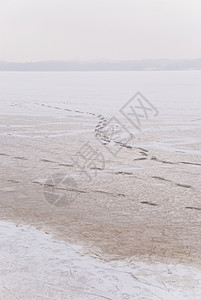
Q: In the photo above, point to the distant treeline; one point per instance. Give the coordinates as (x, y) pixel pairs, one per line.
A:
(132, 65)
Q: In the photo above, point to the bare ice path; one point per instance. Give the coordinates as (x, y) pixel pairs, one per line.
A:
(34, 266)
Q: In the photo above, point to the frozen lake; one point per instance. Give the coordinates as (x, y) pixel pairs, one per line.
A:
(176, 94)
(139, 211)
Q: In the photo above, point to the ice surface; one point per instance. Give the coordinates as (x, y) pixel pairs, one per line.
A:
(34, 266)
(45, 117)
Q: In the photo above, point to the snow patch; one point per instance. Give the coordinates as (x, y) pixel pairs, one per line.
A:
(34, 266)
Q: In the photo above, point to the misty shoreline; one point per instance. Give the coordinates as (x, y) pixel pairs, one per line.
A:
(128, 65)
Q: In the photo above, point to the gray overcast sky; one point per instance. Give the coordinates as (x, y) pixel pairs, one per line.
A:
(32, 30)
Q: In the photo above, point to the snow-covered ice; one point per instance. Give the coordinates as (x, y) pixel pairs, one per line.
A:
(45, 119)
(34, 266)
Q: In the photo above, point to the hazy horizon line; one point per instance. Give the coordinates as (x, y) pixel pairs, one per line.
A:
(103, 65)
(99, 60)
